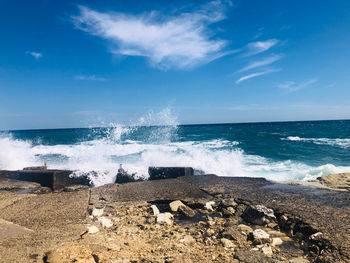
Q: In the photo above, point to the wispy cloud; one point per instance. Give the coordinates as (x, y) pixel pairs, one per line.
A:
(260, 63)
(179, 41)
(292, 86)
(256, 74)
(260, 46)
(89, 77)
(36, 55)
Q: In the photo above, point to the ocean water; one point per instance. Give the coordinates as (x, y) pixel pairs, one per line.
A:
(276, 151)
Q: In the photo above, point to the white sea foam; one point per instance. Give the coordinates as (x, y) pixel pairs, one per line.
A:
(345, 143)
(101, 158)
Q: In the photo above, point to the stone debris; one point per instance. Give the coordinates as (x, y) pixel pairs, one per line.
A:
(105, 222)
(165, 218)
(97, 212)
(276, 241)
(155, 210)
(227, 243)
(92, 229)
(259, 215)
(186, 211)
(259, 236)
(174, 206)
(209, 205)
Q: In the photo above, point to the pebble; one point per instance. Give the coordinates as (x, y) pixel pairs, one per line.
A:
(209, 205)
(276, 241)
(105, 222)
(92, 229)
(227, 243)
(165, 218)
(97, 212)
(259, 236)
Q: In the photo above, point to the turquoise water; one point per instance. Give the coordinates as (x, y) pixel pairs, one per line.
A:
(277, 151)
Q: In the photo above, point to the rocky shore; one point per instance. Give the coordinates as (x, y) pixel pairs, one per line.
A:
(202, 218)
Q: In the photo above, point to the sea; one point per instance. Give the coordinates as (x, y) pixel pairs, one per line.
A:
(280, 151)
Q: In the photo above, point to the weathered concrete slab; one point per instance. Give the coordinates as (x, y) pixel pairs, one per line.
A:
(9, 230)
(170, 189)
(55, 179)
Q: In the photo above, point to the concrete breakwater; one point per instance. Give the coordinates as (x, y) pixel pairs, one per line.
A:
(185, 219)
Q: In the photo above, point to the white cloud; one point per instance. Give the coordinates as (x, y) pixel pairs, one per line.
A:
(261, 46)
(36, 55)
(89, 77)
(180, 41)
(256, 74)
(293, 86)
(260, 63)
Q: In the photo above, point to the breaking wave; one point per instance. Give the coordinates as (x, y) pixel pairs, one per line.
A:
(345, 143)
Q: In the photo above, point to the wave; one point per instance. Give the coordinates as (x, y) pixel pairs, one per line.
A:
(345, 143)
(100, 158)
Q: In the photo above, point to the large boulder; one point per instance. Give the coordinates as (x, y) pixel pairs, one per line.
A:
(259, 215)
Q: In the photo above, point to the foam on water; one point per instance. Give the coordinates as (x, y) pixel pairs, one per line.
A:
(345, 143)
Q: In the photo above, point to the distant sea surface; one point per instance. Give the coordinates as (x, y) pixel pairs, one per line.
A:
(277, 151)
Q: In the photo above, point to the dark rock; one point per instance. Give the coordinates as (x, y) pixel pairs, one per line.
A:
(186, 211)
(156, 173)
(259, 215)
(124, 177)
(240, 209)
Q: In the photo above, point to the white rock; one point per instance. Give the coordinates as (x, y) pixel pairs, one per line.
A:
(267, 250)
(188, 239)
(97, 212)
(155, 210)
(209, 205)
(92, 229)
(260, 236)
(105, 222)
(227, 243)
(174, 206)
(276, 241)
(165, 218)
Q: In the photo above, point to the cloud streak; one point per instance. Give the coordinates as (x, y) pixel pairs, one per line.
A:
(260, 46)
(35, 55)
(256, 74)
(89, 77)
(292, 86)
(260, 63)
(181, 41)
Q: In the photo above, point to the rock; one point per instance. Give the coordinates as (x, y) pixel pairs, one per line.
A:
(124, 177)
(227, 243)
(174, 206)
(97, 212)
(105, 222)
(209, 205)
(246, 229)
(259, 215)
(252, 257)
(229, 211)
(68, 253)
(240, 209)
(186, 211)
(156, 173)
(73, 188)
(188, 239)
(259, 236)
(228, 203)
(316, 236)
(276, 241)
(165, 218)
(339, 181)
(92, 229)
(155, 210)
(266, 249)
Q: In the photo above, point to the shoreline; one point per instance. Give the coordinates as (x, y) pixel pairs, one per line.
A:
(116, 222)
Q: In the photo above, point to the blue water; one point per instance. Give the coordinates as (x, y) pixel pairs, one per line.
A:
(277, 151)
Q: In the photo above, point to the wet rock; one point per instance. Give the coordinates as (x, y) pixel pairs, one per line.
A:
(92, 229)
(259, 215)
(105, 222)
(227, 243)
(165, 219)
(155, 210)
(209, 205)
(186, 211)
(68, 253)
(156, 173)
(124, 177)
(97, 212)
(259, 236)
(174, 206)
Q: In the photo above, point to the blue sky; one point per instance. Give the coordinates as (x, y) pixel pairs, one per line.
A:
(86, 63)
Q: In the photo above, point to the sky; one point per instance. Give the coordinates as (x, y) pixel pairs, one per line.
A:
(91, 63)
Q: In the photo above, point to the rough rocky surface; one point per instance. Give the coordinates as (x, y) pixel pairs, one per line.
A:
(310, 224)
